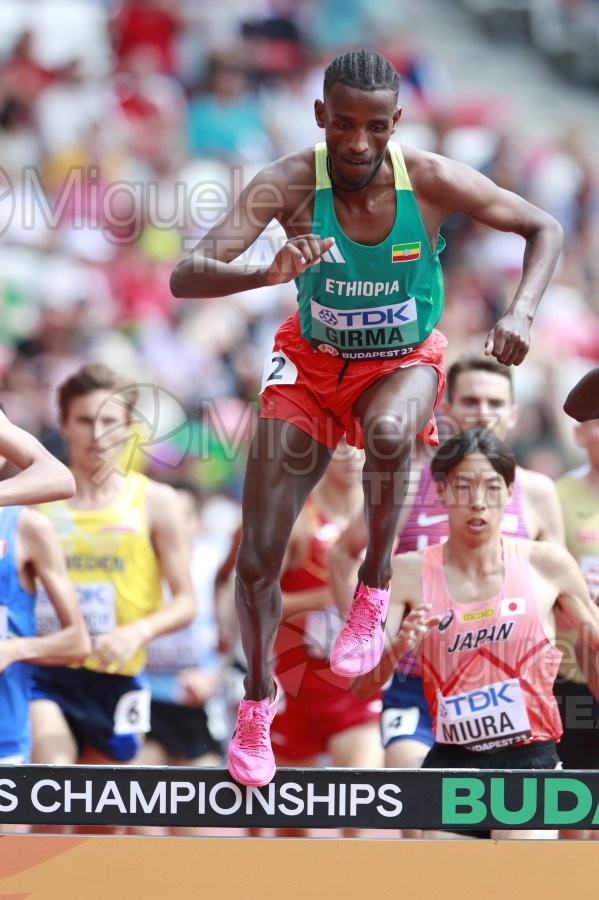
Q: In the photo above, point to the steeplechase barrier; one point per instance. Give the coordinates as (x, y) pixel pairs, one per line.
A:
(39, 867)
(300, 798)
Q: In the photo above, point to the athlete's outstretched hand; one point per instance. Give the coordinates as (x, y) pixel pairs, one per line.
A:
(509, 339)
(296, 255)
(412, 629)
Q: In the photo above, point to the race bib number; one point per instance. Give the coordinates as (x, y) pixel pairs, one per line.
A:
(278, 369)
(3, 622)
(399, 723)
(132, 713)
(97, 603)
(491, 717)
(387, 330)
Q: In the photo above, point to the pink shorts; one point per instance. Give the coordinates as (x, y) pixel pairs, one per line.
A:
(301, 385)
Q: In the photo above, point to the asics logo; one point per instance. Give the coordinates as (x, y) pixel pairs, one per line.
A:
(446, 620)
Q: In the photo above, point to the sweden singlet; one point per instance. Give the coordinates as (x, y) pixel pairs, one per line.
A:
(111, 562)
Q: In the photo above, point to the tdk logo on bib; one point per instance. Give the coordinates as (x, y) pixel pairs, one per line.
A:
(386, 330)
(487, 717)
(475, 701)
(395, 314)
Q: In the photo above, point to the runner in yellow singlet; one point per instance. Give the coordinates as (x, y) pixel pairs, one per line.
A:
(122, 536)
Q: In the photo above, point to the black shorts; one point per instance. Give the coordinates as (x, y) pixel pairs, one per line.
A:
(182, 731)
(538, 755)
(579, 711)
(106, 712)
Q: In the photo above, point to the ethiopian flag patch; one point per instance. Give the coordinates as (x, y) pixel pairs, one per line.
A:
(405, 252)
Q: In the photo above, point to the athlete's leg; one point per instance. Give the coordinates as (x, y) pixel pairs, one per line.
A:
(406, 726)
(357, 748)
(284, 465)
(151, 753)
(392, 411)
(53, 744)
(408, 754)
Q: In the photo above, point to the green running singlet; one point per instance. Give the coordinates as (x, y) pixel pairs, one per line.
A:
(371, 302)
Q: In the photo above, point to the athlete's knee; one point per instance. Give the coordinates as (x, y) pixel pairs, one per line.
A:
(258, 567)
(388, 440)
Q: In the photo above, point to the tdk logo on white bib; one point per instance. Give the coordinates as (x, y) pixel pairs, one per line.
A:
(483, 719)
(396, 314)
(476, 701)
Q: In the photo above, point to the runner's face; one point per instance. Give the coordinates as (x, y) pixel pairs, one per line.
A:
(96, 431)
(482, 400)
(358, 125)
(475, 496)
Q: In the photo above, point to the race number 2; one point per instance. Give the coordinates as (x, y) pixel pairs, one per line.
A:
(278, 370)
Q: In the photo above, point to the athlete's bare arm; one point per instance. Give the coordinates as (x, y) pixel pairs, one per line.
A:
(166, 525)
(443, 187)
(40, 556)
(282, 191)
(42, 477)
(168, 533)
(561, 571)
(542, 508)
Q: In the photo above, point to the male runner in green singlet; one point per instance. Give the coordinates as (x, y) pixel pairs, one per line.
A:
(361, 217)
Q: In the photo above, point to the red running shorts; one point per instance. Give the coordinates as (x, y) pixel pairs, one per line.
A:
(301, 385)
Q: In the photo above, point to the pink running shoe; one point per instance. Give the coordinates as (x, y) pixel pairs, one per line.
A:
(250, 757)
(360, 643)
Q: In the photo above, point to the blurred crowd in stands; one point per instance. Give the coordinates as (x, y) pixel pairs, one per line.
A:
(126, 126)
(566, 32)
